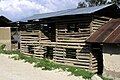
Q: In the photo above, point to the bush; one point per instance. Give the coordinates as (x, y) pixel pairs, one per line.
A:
(2, 46)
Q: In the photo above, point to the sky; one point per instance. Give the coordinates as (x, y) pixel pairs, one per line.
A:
(18, 9)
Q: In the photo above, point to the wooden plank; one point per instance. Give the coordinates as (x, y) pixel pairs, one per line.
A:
(83, 57)
(78, 60)
(80, 63)
(80, 66)
(71, 41)
(29, 42)
(98, 20)
(59, 52)
(26, 44)
(80, 35)
(74, 61)
(39, 53)
(60, 30)
(82, 54)
(74, 34)
(61, 43)
(28, 37)
(28, 34)
(72, 38)
(59, 49)
(74, 47)
(100, 23)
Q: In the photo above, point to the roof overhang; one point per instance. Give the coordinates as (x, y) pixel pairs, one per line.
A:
(109, 33)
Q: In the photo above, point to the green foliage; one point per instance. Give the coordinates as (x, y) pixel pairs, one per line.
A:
(81, 5)
(49, 65)
(8, 52)
(2, 46)
(96, 2)
(91, 3)
(115, 1)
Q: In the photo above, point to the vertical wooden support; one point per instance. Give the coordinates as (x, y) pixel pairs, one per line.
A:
(56, 31)
(54, 56)
(40, 46)
(39, 35)
(20, 40)
(64, 54)
(90, 65)
(66, 29)
(77, 52)
(56, 34)
(91, 27)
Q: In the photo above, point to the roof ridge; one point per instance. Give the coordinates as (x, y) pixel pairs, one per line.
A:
(73, 11)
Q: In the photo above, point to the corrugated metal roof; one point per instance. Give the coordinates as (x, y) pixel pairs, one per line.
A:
(46, 15)
(87, 10)
(109, 33)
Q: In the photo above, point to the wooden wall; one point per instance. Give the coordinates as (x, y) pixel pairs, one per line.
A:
(70, 39)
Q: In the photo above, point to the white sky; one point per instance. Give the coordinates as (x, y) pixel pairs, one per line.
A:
(18, 9)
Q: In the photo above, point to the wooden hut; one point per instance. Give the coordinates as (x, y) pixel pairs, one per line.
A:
(5, 32)
(61, 35)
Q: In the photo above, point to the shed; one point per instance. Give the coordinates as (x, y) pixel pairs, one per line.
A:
(61, 35)
(5, 32)
(108, 37)
(8, 34)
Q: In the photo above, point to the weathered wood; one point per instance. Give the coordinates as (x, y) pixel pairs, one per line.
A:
(71, 41)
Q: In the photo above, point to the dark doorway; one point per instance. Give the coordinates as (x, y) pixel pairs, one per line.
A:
(49, 53)
(97, 52)
(30, 49)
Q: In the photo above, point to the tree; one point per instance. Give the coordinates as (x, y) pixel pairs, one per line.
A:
(96, 2)
(82, 5)
(90, 3)
(115, 1)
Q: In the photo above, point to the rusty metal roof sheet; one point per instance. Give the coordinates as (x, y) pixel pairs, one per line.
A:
(109, 33)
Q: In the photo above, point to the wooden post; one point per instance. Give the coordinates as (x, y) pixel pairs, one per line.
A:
(90, 66)
(91, 27)
(77, 52)
(20, 41)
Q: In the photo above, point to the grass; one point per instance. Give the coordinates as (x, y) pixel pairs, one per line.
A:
(49, 65)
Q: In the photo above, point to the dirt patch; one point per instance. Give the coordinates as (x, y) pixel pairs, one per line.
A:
(19, 70)
(112, 74)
